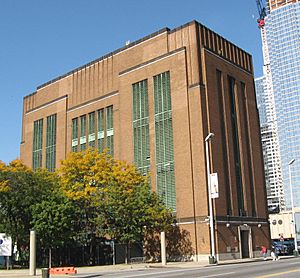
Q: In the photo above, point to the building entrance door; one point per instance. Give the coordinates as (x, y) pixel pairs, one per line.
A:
(245, 243)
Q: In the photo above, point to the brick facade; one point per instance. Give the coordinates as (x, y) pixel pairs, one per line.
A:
(200, 63)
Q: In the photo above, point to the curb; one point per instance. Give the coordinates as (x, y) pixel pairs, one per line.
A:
(84, 270)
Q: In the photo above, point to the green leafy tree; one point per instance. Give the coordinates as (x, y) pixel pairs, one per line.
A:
(114, 197)
(132, 210)
(21, 189)
(53, 220)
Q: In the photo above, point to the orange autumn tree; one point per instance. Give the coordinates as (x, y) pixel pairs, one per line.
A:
(113, 198)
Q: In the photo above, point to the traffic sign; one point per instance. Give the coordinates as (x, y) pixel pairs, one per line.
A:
(5, 245)
(214, 185)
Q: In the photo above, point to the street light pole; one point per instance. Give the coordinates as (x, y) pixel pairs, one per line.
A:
(293, 210)
(211, 216)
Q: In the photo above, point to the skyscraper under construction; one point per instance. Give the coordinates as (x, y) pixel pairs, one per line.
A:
(280, 29)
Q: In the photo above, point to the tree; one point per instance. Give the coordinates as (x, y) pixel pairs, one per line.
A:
(53, 220)
(116, 199)
(21, 189)
(83, 176)
(131, 209)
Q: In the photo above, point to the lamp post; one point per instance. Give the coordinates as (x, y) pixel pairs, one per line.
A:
(293, 210)
(212, 258)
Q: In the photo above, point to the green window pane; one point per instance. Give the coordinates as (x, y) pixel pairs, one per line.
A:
(82, 139)
(110, 130)
(51, 143)
(91, 130)
(100, 130)
(75, 135)
(140, 119)
(37, 144)
(164, 140)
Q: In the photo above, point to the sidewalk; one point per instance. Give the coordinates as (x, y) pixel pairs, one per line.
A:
(22, 273)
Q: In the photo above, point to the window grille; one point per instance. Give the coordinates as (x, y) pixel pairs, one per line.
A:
(51, 143)
(75, 135)
(91, 130)
(101, 130)
(110, 130)
(141, 126)
(164, 140)
(37, 144)
(83, 132)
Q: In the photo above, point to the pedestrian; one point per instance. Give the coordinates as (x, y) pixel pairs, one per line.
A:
(273, 253)
(263, 252)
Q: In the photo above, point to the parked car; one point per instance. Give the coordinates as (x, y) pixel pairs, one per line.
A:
(284, 247)
(298, 245)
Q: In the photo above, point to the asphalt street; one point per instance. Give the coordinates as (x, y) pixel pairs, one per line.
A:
(283, 268)
(257, 268)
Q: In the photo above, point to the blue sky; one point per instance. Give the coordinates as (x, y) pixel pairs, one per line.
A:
(40, 40)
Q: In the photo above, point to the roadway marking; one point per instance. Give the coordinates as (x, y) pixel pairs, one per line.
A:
(214, 275)
(278, 273)
(162, 272)
(174, 271)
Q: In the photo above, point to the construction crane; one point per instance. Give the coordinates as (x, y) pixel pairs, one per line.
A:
(261, 9)
(272, 130)
(262, 13)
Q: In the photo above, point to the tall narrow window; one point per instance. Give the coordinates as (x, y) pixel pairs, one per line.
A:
(83, 132)
(37, 144)
(141, 126)
(91, 130)
(51, 143)
(248, 147)
(75, 135)
(236, 147)
(164, 140)
(110, 130)
(100, 130)
(226, 172)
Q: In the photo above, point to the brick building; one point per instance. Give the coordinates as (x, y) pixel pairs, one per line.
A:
(152, 103)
